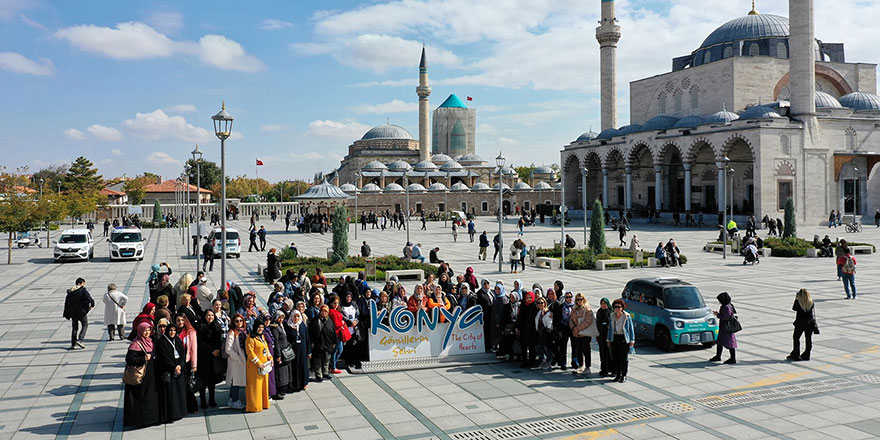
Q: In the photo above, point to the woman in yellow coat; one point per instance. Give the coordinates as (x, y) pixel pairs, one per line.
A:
(258, 356)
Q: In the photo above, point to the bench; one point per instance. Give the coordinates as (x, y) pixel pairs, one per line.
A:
(653, 262)
(405, 273)
(335, 276)
(716, 247)
(604, 264)
(547, 262)
(861, 249)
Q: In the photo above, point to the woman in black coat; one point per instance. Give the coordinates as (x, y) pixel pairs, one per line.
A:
(508, 329)
(804, 324)
(282, 366)
(298, 337)
(525, 329)
(170, 365)
(141, 402)
(603, 316)
(273, 265)
(211, 364)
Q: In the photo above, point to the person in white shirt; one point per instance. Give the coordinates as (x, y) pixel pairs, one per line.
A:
(114, 311)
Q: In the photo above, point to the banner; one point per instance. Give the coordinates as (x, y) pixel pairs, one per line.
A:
(402, 334)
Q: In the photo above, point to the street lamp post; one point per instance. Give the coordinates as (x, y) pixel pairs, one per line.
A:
(562, 214)
(188, 213)
(446, 199)
(726, 161)
(197, 158)
(222, 129)
(357, 176)
(406, 210)
(499, 161)
(584, 191)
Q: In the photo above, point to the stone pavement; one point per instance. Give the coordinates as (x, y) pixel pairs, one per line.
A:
(49, 391)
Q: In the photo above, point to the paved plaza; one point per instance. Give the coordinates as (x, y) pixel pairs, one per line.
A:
(48, 391)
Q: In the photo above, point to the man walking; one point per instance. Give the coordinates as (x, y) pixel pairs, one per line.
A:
(472, 229)
(262, 234)
(365, 249)
(497, 242)
(484, 246)
(208, 252)
(847, 265)
(287, 221)
(252, 237)
(77, 305)
(424, 226)
(106, 227)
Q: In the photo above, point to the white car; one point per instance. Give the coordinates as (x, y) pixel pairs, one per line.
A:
(233, 242)
(75, 244)
(126, 244)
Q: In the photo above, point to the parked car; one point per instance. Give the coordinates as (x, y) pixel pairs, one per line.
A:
(233, 242)
(670, 312)
(74, 244)
(126, 244)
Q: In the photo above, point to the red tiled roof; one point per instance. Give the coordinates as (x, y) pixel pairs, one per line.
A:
(110, 192)
(170, 186)
(25, 190)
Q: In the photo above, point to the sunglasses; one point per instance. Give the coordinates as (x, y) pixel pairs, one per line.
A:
(618, 307)
(579, 299)
(239, 320)
(568, 297)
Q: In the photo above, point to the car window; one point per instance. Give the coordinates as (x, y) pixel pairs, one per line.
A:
(230, 235)
(683, 298)
(125, 237)
(72, 238)
(644, 293)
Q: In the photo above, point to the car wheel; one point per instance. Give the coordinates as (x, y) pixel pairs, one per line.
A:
(21, 245)
(663, 339)
(708, 344)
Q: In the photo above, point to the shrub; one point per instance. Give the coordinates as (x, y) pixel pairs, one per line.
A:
(788, 247)
(157, 212)
(287, 254)
(597, 229)
(790, 222)
(147, 225)
(352, 264)
(340, 234)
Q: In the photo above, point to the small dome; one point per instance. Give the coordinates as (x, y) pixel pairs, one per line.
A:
(425, 165)
(824, 100)
(399, 165)
(508, 171)
(371, 187)
(414, 187)
(469, 159)
(750, 27)
(393, 187)
(451, 166)
(759, 112)
(608, 133)
(522, 186)
(629, 129)
(348, 187)
(689, 122)
(543, 169)
(459, 187)
(588, 136)
(659, 123)
(495, 186)
(437, 186)
(860, 101)
(542, 185)
(480, 186)
(375, 166)
(387, 131)
(440, 158)
(722, 117)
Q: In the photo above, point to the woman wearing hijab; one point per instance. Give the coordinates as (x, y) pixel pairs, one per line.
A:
(236, 375)
(603, 316)
(498, 302)
(147, 315)
(209, 347)
(508, 329)
(298, 338)
(525, 324)
(725, 339)
(583, 329)
(544, 328)
(439, 299)
(171, 361)
(270, 341)
(250, 311)
(517, 289)
(189, 337)
(301, 307)
(258, 358)
(141, 402)
(804, 323)
(445, 283)
(471, 279)
(621, 338)
(282, 365)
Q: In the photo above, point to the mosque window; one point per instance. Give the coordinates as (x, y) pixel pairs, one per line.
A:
(728, 52)
(662, 103)
(781, 50)
(484, 206)
(785, 145)
(678, 99)
(695, 98)
(463, 206)
(527, 205)
(754, 50)
(783, 193)
(707, 57)
(851, 138)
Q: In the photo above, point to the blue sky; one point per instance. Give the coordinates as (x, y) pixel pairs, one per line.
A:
(133, 87)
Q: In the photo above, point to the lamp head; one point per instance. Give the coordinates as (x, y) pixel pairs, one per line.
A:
(197, 154)
(222, 123)
(500, 160)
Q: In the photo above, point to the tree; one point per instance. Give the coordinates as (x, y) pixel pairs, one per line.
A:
(242, 186)
(52, 207)
(157, 213)
(134, 188)
(210, 173)
(525, 173)
(597, 229)
(82, 177)
(80, 204)
(17, 205)
(790, 222)
(52, 175)
(340, 233)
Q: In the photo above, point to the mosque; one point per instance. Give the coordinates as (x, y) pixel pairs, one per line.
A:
(762, 109)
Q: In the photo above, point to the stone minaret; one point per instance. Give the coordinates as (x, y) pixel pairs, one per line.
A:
(423, 90)
(608, 34)
(802, 64)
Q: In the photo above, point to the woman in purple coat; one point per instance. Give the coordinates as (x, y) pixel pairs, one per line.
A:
(725, 339)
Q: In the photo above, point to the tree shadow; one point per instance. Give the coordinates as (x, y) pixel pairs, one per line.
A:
(707, 364)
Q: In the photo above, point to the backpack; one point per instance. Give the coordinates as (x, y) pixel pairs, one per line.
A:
(849, 265)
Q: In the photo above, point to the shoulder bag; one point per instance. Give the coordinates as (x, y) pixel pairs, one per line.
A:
(591, 331)
(287, 354)
(135, 375)
(730, 325)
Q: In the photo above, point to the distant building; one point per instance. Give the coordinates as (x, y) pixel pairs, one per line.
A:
(164, 192)
(455, 127)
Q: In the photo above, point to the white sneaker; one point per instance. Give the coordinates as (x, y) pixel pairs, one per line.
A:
(236, 405)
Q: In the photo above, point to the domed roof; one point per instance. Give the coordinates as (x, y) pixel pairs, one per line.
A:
(399, 165)
(542, 185)
(459, 187)
(689, 122)
(425, 165)
(480, 186)
(588, 136)
(470, 159)
(608, 133)
(824, 100)
(543, 169)
(751, 27)
(860, 101)
(451, 166)
(348, 187)
(452, 102)
(414, 187)
(437, 186)
(323, 191)
(659, 123)
(375, 166)
(722, 117)
(371, 187)
(387, 131)
(440, 158)
(508, 171)
(629, 129)
(522, 186)
(495, 186)
(759, 112)
(393, 187)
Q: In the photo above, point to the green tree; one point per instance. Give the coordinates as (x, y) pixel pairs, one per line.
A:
(80, 204)
(597, 229)
(210, 173)
(157, 213)
(52, 207)
(525, 173)
(134, 188)
(340, 233)
(17, 205)
(790, 222)
(82, 177)
(51, 175)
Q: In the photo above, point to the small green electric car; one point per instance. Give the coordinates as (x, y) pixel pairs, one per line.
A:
(671, 312)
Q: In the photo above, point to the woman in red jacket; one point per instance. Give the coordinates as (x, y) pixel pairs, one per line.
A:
(342, 333)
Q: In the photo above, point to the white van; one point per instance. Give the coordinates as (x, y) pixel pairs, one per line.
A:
(74, 244)
(233, 242)
(126, 244)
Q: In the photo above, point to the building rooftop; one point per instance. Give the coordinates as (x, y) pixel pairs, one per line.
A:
(452, 102)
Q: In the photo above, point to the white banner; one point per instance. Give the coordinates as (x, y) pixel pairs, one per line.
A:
(402, 334)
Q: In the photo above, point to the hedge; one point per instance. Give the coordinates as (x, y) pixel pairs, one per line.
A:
(583, 259)
(788, 247)
(352, 264)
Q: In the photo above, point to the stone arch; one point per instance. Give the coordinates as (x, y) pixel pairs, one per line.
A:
(691, 152)
(666, 150)
(610, 157)
(571, 180)
(784, 168)
(733, 141)
(593, 163)
(831, 75)
(742, 157)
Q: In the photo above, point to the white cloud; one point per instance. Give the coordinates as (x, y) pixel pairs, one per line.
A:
(17, 63)
(271, 24)
(105, 133)
(390, 83)
(8, 8)
(345, 131)
(106, 161)
(377, 52)
(393, 106)
(166, 21)
(271, 127)
(36, 25)
(116, 152)
(181, 108)
(135, 40)
(157, 125)
(160, 158)
(75, 134)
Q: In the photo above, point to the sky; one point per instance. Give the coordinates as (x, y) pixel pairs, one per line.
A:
(132, 85)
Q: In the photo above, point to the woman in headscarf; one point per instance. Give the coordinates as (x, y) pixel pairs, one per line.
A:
(439, 299)
(536, 287)
(209, 348)
(182, 287)
(544, 328)
(250, 311)
(141, 402)
(517, 289)
(236, 361)
(559, 288)
(621, 338)
(603, 315)
(273, 265)
(804, 323)
(171, 355)
(583, 327)
(508, 329)
(257, 357)
(526, 329)
(301, 307)
(351, 315)
(471, 279)
(298, 338)
(147, 315)
(498, 302)
(270, 341)
(725, 339)
(485, 298)
(445, 283)
(282, 365)
(384, 303)
(189, 337)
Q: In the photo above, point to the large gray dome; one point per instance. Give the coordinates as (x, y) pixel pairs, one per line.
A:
(750, 27)
(469, 159)
(387, 131)
(860, 101)
(425, 165)
(542, 169)
(440, 158)
(393, 187)
(759, 112)
(542, 185)
(659, 123)
(629, 129)
(588, 136)
(608, 133)
(480, 186)
(399, 165)
(375, 166)
(451, 166)
(722, 117)
(371, 187)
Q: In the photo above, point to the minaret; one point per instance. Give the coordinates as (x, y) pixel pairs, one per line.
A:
(423, 90)
(608, 34)
(802, 64)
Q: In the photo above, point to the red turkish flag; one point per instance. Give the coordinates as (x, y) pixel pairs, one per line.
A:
(259, 163)
(469, 98)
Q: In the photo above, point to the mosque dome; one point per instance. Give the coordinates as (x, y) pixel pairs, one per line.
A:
(722, 117)
(415, 187)
(371, 187)
(387, 131)
(508, 171)
(437, 186)
(751, 27)
(451, 166)
(459, 187)
(453, 102)
(860, 101)
(470, 159)
(399, 165)
(659, 123)
(588, 136)
(495, 186)
(689, 122)
(480, 186)
(425, 165)
(521, 186)
(348, 187)
(629, 129)
(824, 100)
(440, 158)
(608, 133)
(542, 185)
(457, 157)
(543, 169)
(759, 112)
(375, 166)
(393, 187)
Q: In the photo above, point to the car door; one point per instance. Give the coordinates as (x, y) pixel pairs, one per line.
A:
(640, 311)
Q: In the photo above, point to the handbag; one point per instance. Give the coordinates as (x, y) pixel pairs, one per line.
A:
(592, 330)
(265, 369)
(731, 325)
(287, 354)
(509, 330)
(134, 375)
(194, 383)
